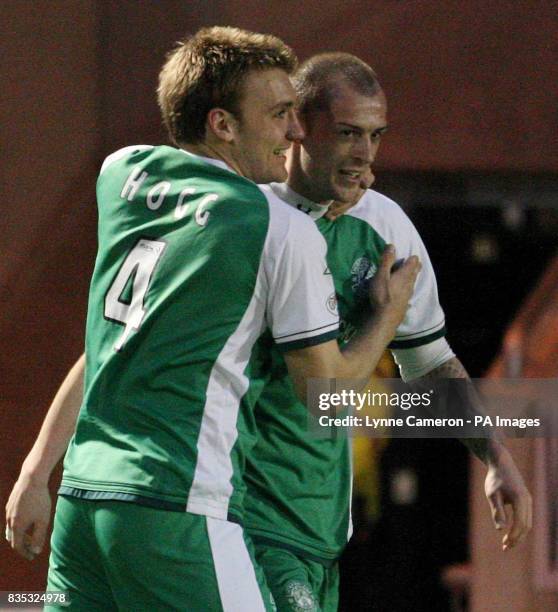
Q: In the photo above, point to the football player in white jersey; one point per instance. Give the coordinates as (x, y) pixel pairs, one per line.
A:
(350, 128)
(297, 502)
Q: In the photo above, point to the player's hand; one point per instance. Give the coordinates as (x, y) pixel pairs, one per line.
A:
(28, 516)
(393, 285)
(504, 486)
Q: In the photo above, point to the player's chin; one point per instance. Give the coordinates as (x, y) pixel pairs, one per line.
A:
(347, 194)
(278, 173)
(271, 174)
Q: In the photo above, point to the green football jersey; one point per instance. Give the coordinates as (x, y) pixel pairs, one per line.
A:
(194, 264)
(299, 485)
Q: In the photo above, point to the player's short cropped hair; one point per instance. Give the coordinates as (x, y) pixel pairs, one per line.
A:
(206, 70)
(316, 79)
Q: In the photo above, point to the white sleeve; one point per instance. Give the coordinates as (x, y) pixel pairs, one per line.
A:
(302, 307)
(419, 345)
(418, 361)
(424, 321)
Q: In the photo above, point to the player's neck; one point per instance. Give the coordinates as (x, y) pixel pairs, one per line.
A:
(298, 181)
(299, 185)
(337, 209)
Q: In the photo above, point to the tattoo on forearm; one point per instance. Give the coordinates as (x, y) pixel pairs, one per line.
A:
(453, 368)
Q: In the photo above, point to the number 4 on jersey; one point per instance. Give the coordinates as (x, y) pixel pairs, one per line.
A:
(134, 277)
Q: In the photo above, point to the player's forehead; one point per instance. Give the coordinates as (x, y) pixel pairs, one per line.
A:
(348, 106)
(266, 89)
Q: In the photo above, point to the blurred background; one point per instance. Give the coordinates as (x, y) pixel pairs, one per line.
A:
(472, 156)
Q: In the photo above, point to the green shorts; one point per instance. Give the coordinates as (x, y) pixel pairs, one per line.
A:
(111, 555)
(298, 584)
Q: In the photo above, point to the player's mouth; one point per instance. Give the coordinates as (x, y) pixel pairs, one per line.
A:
(281, 152)
(352, 176)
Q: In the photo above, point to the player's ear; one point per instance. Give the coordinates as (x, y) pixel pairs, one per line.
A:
(222, 124)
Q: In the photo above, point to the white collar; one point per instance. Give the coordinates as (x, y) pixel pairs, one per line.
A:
(314, 210)
(210, 160)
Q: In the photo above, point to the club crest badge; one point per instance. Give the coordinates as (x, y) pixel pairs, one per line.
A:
(361, 272)
(332, 304)
(300, 597)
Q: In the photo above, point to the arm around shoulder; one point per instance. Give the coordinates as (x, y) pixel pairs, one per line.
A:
(29, 505)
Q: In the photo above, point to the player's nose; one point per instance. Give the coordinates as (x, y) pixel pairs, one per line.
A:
(365, 150)
(295, 131)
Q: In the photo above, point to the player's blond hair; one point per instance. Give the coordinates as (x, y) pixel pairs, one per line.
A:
(207, 71)
(316, 79)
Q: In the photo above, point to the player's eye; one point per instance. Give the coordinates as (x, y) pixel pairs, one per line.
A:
(281, 114)
(347, 132)
(378, 134)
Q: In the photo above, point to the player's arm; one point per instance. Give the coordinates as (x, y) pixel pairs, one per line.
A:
(504, 484)
(434, 359)
(29, 505)
(389, 294)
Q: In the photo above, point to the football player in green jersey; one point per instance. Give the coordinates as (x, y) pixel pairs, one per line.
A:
(298, 499)
(194, 263)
